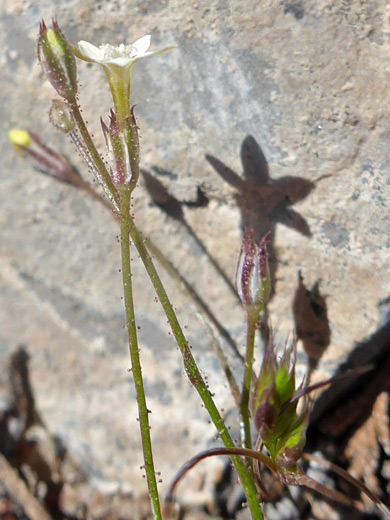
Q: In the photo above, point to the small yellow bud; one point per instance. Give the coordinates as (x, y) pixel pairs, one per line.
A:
(19, 137)
(43, 158)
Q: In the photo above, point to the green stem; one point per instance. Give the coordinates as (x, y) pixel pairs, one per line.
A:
(98, 166)
(196, 378)
(134, 353)
(246, 387)
(258, 456)
(208, 318)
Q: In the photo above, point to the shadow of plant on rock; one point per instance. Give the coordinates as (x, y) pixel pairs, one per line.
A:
(172, 207)
(311, 320)
(263, 201)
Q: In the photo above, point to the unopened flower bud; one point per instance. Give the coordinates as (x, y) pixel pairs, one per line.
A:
(61, 117)
(253, 280)
(41, 156)
(274, 407)
(57, 60)
(123, 150)
(19, 137)
(290, 447)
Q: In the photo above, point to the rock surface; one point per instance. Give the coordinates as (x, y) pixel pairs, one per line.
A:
(278, 111)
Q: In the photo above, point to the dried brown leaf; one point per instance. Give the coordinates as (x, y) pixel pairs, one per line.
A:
(362, 449)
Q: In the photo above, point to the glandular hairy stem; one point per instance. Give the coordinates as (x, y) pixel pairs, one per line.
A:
(93, 159)
(246, 387)
(126, 223)
(195, 377)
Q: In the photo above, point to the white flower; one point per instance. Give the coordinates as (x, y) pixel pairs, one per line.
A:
(123, 56)
(118, 63)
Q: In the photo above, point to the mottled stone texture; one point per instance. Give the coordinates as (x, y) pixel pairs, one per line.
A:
(308, 81)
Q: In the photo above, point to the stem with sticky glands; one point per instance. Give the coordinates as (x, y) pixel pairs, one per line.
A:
(126, 223)
(99, 170)
(196, 378)
(246, 435)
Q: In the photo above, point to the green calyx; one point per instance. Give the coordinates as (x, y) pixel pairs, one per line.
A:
(281, 428)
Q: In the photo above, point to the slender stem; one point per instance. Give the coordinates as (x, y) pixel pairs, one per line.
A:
(204, 311)
(246, 387)
(104, 177)
(202, 307)
(196, 378)
(134, 354)
(208, 318)
(349, 478)
(191, 368)
(258, 456)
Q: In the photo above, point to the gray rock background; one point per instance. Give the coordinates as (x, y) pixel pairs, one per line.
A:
(310, 82)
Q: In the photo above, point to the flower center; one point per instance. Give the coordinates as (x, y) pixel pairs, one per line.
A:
(121, 51)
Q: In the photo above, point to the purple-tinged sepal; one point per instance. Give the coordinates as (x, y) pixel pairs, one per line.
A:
(262, 402)
(122, 150)
(289, 448)
(266, 413)
(132, 141)
(253, 280)
(274, 406)
(57, 60)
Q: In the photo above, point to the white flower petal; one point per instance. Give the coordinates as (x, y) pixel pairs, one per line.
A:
(141, 45)
(159, 51)
(119, 62)
(90, 51)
